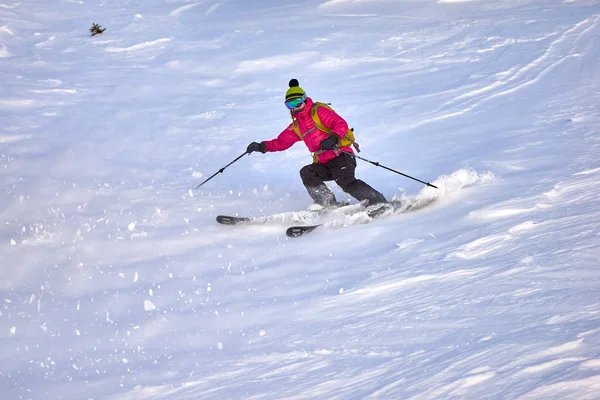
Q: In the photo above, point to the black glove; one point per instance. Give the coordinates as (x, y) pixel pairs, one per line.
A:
(255, 146)
(329, 143)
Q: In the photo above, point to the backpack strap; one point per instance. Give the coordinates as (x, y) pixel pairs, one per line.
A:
(300, 134)
(315, 117)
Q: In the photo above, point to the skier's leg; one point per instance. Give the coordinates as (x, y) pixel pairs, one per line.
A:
(342, 169)
(313, 177)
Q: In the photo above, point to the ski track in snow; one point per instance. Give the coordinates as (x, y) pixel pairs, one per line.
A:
(508, 82)
(115, 281)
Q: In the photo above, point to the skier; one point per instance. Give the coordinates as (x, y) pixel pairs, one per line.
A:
(310, 123)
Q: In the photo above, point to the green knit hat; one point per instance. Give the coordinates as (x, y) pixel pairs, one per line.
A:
(295, 91)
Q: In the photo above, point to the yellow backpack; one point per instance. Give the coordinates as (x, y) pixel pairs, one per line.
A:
(347, 140)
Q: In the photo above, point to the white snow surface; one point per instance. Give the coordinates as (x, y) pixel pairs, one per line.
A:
(117, 283)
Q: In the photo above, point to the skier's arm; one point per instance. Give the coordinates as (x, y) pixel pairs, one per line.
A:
(333, 121)
(284, 141)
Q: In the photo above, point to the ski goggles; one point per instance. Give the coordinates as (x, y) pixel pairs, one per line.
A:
(295, 103)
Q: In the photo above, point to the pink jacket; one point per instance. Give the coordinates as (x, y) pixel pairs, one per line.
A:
(329, 118)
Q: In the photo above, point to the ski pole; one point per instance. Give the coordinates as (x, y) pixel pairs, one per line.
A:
(221, 170)
(389, 169)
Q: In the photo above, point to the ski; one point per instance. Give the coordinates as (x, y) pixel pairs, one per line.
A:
(344, 213)
(229, 220)
(295, 231)
(306, 216)
(381, 212)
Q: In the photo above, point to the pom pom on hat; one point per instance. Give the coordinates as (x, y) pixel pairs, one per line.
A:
(295, 91)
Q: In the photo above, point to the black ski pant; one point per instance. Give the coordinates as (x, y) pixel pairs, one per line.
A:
(341, 170)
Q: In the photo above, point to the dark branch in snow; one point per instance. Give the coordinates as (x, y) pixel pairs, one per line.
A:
(96, 29)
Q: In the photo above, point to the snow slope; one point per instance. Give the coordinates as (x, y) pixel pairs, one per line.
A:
(117, 283)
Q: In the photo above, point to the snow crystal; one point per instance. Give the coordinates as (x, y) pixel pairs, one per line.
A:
(12, 242)
(262, 332)
(220, 346)
(135, 277)
(131, 226)
(13, 330)
(149, 306)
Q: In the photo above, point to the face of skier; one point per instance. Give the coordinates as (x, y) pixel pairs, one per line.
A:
(296, 105)
(296, 110)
